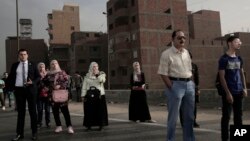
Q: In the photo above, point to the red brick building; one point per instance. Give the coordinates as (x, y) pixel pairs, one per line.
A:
(139, 30)
(62, 23)
(204, 24)
(87, 47)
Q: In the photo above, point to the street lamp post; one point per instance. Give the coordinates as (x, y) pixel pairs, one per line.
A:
(17, 28)
(104, 13)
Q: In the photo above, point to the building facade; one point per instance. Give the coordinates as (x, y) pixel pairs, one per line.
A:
(88, 47)
(204, 24)
(37, 50)
(62, 23)
(139, 30)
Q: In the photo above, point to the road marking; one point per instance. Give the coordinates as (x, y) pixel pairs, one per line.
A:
(155, 124)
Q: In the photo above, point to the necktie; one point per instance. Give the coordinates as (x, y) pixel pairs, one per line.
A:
(23, 74)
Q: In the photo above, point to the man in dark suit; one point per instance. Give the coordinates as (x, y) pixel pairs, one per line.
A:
(23, 79)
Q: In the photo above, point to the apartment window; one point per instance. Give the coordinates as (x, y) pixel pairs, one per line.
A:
(82, 61)
(50, 16)
(121, 4)
(168, 11)
(135, 54)
(113, 73)
(72, 28)
(98, 61)
(134, 36)
(110, 11)
(122, 20)
(50, 26)
(133, 19)
(95, 51)
(51, 36)
(124, 71)
(97, 35)
(132, 2)
(169, 27)
(87, 34)
(72, 9)
(111, 26)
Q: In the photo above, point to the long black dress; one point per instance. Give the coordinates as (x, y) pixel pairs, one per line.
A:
(138, 106)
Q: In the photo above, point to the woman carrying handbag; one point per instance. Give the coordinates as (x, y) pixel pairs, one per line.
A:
(57, 80)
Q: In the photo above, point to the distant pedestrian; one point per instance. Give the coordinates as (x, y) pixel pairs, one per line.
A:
(232, 78)
(175, 70)
(43, 98)
(23, 79)
(70, 86)
(78, 80)
(7, 93)
(138, 106)
(2, 85)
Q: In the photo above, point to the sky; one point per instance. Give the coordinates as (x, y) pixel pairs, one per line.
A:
(234, 16)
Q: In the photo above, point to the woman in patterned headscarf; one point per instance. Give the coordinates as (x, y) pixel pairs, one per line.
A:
(57, 79)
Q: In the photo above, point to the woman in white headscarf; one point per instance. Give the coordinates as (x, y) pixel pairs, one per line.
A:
(138, 107)
(57, 84)
(94, 79)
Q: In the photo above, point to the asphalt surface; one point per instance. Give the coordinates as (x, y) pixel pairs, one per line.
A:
(119, 129)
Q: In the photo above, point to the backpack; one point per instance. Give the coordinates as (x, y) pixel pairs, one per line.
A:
(218, 84)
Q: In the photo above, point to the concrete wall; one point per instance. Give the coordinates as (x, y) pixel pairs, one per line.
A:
(208, 98)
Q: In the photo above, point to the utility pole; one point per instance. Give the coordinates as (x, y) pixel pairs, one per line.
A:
(17, 27)
(108, 59)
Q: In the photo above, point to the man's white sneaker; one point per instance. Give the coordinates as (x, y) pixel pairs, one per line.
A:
(3, 108)
(58, 129)
(70, 130)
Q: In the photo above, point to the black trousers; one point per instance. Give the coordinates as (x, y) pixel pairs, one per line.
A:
(226, 113)
(43, 104)
(65, 111)
(78, 94)
(22, 94)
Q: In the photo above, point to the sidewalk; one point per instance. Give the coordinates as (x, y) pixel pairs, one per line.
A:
(207, 117)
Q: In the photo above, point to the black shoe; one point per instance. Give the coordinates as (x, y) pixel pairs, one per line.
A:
(88, 129)
(196, 125)
(48, 125)
(17, 138)
(100, 128)
(34, 137)
(133, 120)
(39, 125)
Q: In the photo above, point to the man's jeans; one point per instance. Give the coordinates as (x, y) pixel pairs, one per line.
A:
(181, 95)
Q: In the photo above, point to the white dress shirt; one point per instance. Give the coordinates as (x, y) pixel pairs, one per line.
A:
(19, 73)
(175, 63)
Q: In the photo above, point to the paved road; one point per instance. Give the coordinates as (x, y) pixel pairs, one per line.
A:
(119, 129)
